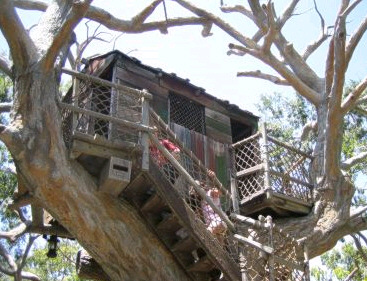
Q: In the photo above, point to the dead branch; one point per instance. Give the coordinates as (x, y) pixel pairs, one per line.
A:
(31, 240)
(21, 46)
(272, 28)
(354, 40)
(230, 30)
(9, 260)
(258, 74)
(349, 163)
(322, 38)
(352, 99)
(145, 13)
(351, 7)
(237, 9)
(5, 66)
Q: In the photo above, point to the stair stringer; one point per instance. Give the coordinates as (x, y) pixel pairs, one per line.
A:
(192, 223)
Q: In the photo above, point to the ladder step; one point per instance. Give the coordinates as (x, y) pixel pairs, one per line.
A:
(202, 265)
(153, 204)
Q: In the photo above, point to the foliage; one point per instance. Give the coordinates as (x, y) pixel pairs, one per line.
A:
(339, 263)
(60, 268)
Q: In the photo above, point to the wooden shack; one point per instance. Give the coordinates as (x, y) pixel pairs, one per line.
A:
(206, 125)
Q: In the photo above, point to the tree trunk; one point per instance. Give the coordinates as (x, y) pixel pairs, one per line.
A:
(108, 228)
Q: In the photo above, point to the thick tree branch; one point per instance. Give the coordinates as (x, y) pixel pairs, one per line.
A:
(5, 66)
(9, 259)
(352, 99)
(145, 13)
(230, 30)
(21, 47)
(237, 9)
(258, 74)
(349, 163)
(354, 40)
(307, 129)
(16, 232)
(50, 36)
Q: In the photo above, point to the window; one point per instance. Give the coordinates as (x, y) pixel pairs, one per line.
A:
(187, 113)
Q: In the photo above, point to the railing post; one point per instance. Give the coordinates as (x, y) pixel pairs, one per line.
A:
(234, 193)
(145, 135)
(307, 264)
(265, 157)
(269, 221)
(74, 122)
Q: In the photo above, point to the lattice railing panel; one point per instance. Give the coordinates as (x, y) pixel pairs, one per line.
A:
(255, 263)
(288, 168)
(247, 153)
(250, 185)
(104, 99)
(197, 171)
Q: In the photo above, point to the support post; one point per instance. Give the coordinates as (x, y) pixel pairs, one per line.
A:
(265, 156)
(269, 221)
(234, 190)
(145, 135)
(307, 264)
(74, 123)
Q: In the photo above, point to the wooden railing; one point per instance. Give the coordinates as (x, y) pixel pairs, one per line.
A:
(263, 163)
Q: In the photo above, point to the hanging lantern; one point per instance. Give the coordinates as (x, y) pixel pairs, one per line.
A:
(52, 246)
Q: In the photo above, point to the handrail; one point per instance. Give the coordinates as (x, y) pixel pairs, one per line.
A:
(287, 146)
(117, 120)
(191, 181)
(190, 153)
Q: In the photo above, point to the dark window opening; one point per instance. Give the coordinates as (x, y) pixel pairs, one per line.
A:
(240, 131)
(187, 113)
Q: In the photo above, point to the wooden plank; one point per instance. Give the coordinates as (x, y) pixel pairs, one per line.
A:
(204, 264)
(250, 171)
(169, 224)
(266, 249)
(82, 147)
(185, 245)
(218, 136)
(195, 228)
(217, 116)
(154, 203)
(105, 117)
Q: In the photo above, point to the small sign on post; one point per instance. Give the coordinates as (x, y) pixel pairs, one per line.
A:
(115, 176)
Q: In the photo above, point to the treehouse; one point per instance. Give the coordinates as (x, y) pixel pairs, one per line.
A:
(151, 138)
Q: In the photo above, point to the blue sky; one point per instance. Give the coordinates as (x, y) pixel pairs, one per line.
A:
(204, 60)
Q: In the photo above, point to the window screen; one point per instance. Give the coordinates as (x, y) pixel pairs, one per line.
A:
(187, 113)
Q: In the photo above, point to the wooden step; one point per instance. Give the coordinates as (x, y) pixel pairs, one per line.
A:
(204, 264)
(185, 245)
(153, 204)
(169, 224)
